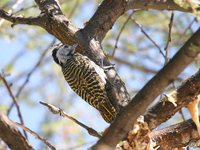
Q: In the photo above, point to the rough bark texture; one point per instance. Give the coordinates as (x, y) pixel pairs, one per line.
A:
(12, 136)
(89, 39)
(155, 4)
(177, 136)
(154, 87)
(164, 110)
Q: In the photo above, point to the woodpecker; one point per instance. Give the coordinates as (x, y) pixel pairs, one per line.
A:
(86, 78)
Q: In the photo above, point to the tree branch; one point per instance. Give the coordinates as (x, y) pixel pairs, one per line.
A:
(11, 136)
(14, 99)
(20, 20)
(58, 25)
(157, 5)
(178, 135)
(89, 38)
(164, 110)
(90, 44)
(150, 91)
(35, 135)
(109, 11)
(104, 18)
(174, 136)
(59, 111)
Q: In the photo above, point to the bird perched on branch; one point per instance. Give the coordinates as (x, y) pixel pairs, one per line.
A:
(86, 78)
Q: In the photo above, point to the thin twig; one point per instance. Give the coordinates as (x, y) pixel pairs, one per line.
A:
(118, 36)
(31, 73)
(59, 111)
(34, 134)
(145, 33)
(169, 37)
(14, 101)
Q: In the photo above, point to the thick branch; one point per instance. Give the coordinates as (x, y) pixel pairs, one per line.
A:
(11, 136)
(174, 136)
(182, 96)
(89, 44)
(104, 18)
(58, 25)
(150, 91)
(20, 20)
(109, 11)
(179, 135)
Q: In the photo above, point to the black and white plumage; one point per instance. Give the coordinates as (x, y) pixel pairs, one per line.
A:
(86, 78)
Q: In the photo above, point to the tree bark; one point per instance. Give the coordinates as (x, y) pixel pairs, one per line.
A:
(89, 39)
(12, 136)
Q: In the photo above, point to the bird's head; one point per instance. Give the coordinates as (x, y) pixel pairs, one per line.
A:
(61, 53)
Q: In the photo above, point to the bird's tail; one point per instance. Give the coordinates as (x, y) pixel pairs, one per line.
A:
(108, 112)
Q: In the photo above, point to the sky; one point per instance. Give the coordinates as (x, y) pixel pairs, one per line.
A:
(33, 112)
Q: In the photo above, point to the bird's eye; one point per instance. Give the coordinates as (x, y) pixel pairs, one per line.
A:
(66, 46)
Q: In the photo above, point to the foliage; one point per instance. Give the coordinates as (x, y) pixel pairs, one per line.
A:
(136, 59)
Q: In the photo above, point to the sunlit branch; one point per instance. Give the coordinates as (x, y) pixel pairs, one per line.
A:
(60, 112)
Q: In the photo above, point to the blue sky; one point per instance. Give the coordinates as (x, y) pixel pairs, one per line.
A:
(46, 83)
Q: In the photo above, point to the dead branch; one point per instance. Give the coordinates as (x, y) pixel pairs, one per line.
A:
(60, 112)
